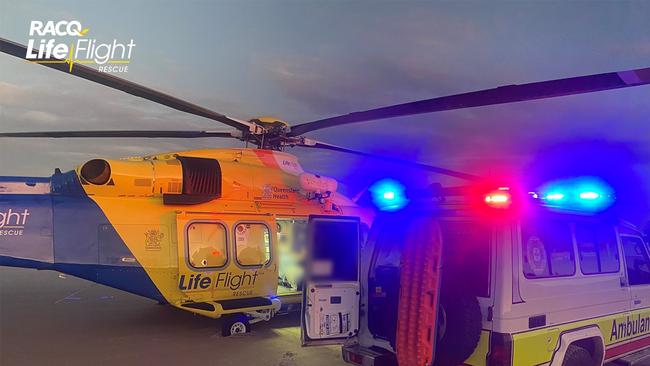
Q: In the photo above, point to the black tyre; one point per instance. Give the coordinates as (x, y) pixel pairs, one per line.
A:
(459, 328)
(235, 324)
(577, 356)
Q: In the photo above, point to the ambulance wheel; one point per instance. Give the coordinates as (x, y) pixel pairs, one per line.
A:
(459, 328)
(235, 324)
(577, 356)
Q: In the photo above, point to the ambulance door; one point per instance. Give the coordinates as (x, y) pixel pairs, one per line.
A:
(330, 307)
(637, 262)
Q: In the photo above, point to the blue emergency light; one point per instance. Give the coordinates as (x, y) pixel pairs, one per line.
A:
(388, 195)
(583, 194)
(589, 195)
(555, 196)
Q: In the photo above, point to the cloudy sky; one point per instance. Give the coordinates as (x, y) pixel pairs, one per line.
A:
(304, 60)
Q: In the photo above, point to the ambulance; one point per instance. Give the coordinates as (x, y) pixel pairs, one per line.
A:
(485, 277)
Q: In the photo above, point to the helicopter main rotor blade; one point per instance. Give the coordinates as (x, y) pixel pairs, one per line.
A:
(122, 133)
(434, 169)
(500, 95)
(88, 73)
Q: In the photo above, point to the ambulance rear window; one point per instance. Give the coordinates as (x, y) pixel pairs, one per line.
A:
(547, 249)
(467, 255)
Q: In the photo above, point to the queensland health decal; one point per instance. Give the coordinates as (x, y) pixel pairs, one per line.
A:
(68, 41)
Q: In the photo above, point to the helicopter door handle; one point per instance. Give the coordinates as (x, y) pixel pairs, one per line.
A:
(637, 302)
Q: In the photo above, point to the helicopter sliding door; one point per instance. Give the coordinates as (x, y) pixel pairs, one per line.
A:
(330, 307)
(230, 260)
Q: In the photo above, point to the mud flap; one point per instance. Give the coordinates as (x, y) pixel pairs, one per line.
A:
(419, 293)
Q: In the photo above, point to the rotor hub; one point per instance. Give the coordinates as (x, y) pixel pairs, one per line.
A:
(274, 135)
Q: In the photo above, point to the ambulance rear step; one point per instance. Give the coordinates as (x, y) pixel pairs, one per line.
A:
(640, 358)
(362, 356)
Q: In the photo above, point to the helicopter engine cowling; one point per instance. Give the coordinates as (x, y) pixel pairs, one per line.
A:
(132, 177)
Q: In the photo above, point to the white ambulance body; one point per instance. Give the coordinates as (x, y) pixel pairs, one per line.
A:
(548, 288)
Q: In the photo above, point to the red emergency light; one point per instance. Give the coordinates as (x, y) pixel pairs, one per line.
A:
(499, 198)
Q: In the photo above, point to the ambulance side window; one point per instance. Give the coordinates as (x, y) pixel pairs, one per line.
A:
(206, 245)
(597, 248)
(636, 260)
(547, 248)
(252, 244)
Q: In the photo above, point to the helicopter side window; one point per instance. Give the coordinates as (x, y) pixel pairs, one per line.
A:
(206, 244)
(252, 244)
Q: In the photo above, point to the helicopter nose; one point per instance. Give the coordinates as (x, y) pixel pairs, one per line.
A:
(25, 222)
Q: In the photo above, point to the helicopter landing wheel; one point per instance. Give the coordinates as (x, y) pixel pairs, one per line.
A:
(235, 324)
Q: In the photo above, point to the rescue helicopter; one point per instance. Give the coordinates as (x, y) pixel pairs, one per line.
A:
(217, 232)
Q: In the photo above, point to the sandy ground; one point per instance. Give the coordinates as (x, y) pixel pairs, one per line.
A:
(48, 320)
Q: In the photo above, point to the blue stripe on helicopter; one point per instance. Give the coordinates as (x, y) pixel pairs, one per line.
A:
(67, 232)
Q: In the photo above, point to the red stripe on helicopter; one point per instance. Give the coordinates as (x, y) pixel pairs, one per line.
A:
(267, 158)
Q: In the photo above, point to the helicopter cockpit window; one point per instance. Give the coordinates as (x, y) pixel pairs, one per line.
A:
(252, 244)
(206, 242)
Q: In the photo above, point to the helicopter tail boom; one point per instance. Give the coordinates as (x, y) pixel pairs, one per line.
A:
(26, 238)
(50, 223)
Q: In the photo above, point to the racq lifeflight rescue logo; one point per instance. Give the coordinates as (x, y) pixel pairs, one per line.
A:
(68, 41)
(13, 222)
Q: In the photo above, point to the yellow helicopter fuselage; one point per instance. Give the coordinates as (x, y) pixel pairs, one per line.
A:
(202, 226)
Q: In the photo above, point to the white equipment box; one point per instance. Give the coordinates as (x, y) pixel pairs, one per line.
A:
(332, 310)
